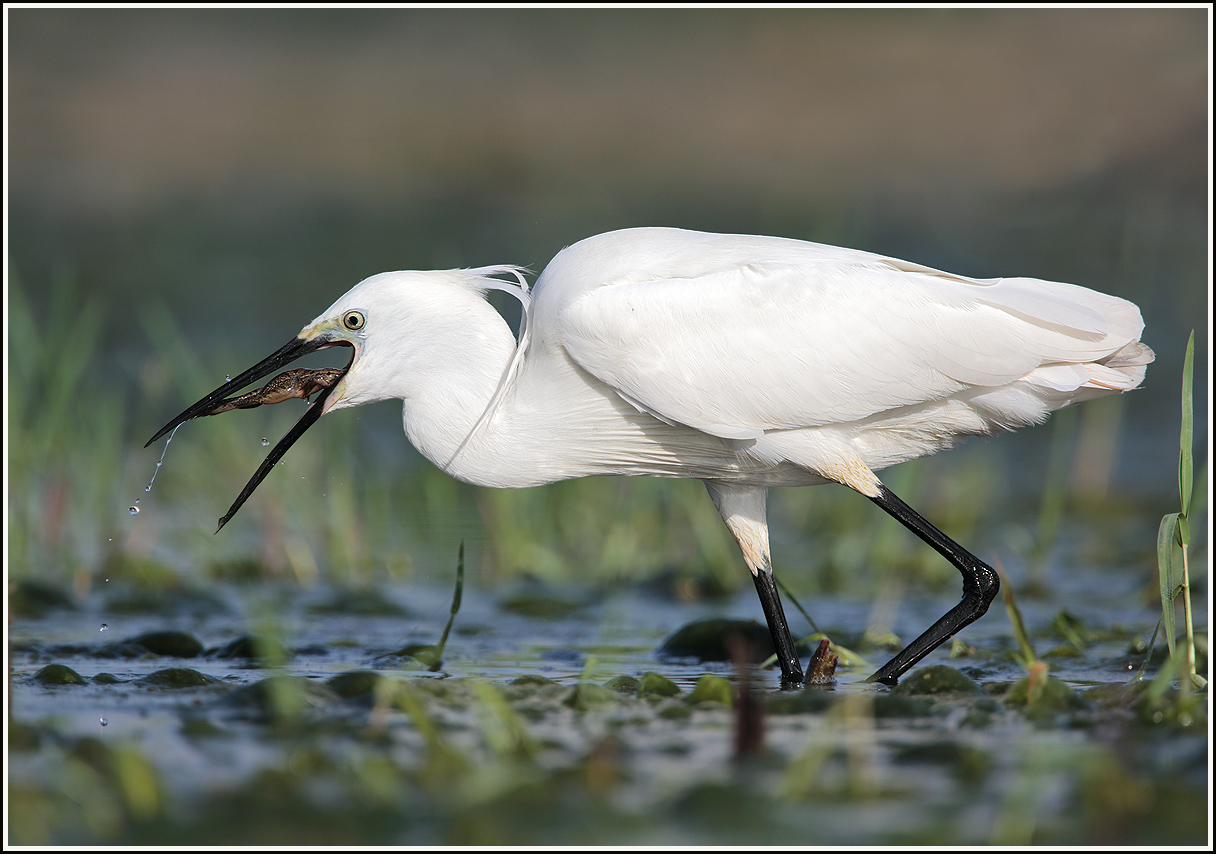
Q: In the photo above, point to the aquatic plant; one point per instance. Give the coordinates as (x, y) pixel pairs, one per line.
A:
(1174, 538)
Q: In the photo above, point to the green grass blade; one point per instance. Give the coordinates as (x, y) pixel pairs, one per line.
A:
(1148, 656)
(1167, 545)
(1186, 464)
(1028, 655)
(443, 640)
(796, 603)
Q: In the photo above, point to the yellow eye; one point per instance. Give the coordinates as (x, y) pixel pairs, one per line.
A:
(353, 320)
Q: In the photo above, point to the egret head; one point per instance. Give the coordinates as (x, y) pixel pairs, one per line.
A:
(382, 319)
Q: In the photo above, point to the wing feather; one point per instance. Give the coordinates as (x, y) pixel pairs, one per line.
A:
(791, 343)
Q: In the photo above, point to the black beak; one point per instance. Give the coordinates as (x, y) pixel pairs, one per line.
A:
(289, 352)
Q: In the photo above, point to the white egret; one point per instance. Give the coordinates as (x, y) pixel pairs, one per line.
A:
(747, 362)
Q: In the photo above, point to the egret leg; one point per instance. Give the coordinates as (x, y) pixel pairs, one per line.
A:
(980, 586)
(783, 642)
(742, 508)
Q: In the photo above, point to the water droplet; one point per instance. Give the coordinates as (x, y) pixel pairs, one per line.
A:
(158, 462)
(111, 539)
(148, 488)
(133, 510)
(103, 625)
(227, 378)
(265, 441)
(104, 722)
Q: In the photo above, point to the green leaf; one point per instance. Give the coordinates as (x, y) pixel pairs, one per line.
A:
(1186, 464)
(1166, 547)
(1183, 534)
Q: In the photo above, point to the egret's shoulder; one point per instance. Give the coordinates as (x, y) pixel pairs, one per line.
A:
(654, 254)
(639, 254)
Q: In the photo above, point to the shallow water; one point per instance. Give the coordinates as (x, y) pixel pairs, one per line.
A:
(850, 764)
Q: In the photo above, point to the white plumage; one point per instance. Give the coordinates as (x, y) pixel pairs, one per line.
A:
(747, 362)
(677, 353)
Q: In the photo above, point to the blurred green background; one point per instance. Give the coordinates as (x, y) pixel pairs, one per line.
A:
(189, 187)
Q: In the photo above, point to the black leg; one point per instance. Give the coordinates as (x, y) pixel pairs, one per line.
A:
(791, 669)
(980, 586)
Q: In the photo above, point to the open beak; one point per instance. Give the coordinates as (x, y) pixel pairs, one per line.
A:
(300, 383)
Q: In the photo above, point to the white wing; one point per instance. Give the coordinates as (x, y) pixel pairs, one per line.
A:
(778, 337)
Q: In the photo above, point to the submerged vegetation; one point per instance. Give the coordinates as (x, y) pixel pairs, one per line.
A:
(384, 757)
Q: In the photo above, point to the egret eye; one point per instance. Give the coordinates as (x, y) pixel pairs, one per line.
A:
(353, 320)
